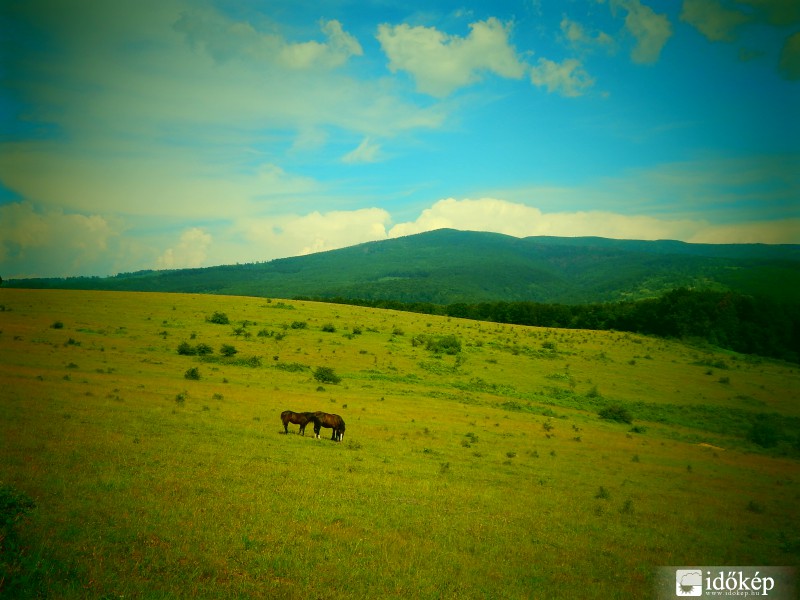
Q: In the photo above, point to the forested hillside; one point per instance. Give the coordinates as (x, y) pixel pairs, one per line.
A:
(448, 266)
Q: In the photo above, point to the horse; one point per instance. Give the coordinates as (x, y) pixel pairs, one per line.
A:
(301, 419)
(334, 422)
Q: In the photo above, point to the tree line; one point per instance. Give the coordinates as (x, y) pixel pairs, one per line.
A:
(738, 322)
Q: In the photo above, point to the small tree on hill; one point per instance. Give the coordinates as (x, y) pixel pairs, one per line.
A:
(326, 375)
(220, 318)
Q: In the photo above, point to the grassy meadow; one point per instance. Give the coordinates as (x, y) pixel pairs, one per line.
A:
(474, 464)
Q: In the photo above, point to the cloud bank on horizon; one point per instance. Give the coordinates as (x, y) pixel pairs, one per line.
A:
(181, 133)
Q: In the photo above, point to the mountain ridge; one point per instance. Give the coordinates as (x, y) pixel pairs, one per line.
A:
(447, 266)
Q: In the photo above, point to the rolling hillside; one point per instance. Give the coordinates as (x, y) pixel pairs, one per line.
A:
(448, 266)
(142, 453)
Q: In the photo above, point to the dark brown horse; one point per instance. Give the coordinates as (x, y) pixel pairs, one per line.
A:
(329, 421)
(302, 419)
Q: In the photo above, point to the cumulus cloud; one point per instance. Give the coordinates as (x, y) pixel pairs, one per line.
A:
(227, 40)
(712, 19)
(292, 235)
(579, 38)
(521, 220)
(441, 63)
(567, 78)
(651, 30)
(191, 251)
(32, 240)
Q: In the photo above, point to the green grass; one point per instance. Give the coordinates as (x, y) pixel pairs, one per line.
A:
(472, 474)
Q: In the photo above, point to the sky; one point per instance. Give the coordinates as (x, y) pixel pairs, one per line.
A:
(163, 134)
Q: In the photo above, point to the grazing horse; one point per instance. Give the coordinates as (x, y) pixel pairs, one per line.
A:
(329, 421)
(301, 419)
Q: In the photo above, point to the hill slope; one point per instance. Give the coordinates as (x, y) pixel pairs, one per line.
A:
(448, 266)
(477, 469)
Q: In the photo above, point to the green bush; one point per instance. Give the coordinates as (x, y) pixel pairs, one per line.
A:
(192, 373)
(186, 349)
(326, 375)
(616, 413)
(227, 350)
(204, 349)
(220, 318)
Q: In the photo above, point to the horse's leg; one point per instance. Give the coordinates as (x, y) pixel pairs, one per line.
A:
(303, 429)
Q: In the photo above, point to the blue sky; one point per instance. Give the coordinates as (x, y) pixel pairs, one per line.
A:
(182, 133)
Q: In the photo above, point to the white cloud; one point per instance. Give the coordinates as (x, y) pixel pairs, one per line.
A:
(366, 152)
(650, 29)
(227, 40)
(712, 19)
(568, 78)
(441, 63)
(191, 251)
(292, 235)
(520, 220)
(64, 244)
(577, 36)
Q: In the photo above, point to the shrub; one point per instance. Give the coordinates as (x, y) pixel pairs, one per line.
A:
(329, 328)
(326, 375)
(192, 373)
(299, 325)
(616, 413)
(57, 325)
(227, 350)
(186, 349)
(220, 318)
(204, 349)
